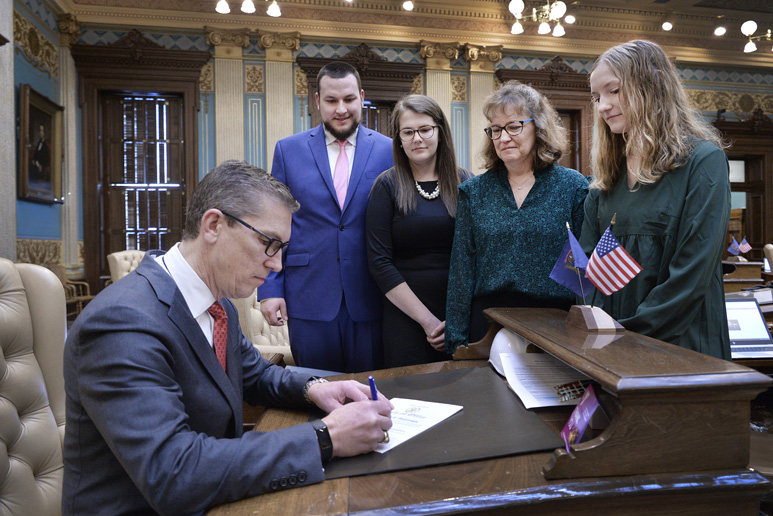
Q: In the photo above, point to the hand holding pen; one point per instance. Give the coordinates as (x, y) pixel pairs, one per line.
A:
(374, 397)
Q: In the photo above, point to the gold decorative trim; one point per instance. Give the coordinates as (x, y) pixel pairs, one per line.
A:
(458, 88)
(418, 84)
(740, 103)
(69, 30)
(34, 46)
(429, 49)
(237, 37)
(289, 40)
(39, 252)
(301, 82)
(254, 81)
(475, 52)
(207, 77)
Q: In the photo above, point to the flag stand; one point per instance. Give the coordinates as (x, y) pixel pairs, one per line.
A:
(592, 319)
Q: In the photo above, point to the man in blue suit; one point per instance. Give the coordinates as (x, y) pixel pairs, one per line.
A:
(156, 368)
(325, 288)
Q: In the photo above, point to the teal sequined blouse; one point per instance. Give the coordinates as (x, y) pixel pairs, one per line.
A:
(499, 247)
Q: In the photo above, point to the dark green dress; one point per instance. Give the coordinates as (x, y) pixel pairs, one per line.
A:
(676, 230)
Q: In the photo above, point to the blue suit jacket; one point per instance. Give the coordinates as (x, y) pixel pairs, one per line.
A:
(326, 257)
(154, 424)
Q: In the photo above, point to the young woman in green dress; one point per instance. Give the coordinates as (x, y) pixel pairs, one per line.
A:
(661, 168)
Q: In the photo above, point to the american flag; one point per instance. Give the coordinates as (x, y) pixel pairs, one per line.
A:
(610, 267)
(744, 246)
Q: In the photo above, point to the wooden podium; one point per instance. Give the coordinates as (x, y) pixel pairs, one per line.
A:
(670, 409)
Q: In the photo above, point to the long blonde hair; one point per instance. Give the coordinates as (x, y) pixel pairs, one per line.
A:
(661, 121)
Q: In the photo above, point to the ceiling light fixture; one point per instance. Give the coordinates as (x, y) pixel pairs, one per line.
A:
(667, 26)
(550, 12)
(223, 7)
(273, 10)
(748, 29)
(407, 5)
(720, 31)
(248, 7)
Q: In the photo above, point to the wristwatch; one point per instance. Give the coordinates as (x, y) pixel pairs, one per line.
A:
(323, 439)
(312, 381)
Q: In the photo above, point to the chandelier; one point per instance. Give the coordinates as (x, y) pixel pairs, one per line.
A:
(748, 29)
(545, 15)
(248, 7)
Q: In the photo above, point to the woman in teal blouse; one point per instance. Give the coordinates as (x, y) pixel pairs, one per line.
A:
(661, 168)
(511, 221)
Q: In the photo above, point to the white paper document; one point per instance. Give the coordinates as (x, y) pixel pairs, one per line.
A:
(541, 380)
(412, 417)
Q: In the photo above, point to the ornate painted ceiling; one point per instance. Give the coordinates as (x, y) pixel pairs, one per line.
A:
(600, 24)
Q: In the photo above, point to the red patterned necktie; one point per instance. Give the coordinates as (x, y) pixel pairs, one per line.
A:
(220, 333)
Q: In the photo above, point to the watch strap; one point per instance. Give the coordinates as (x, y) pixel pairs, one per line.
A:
(323, 439)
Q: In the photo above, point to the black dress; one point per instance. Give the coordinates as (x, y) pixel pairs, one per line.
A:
(415, 249)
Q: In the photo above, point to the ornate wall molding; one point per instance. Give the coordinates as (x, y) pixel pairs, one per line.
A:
(34, 46)
(207, 77)
(430, 49)
(254, 79)
(236, 37)
(301, 82)
(39, 252)
(478, 52)
(288, 40)
(458, 88)
(69, 30)
(739, 103)
(418, 85)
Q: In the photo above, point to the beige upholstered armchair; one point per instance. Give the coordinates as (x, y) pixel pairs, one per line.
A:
(268, 339)
(32, 333)
(122, 263)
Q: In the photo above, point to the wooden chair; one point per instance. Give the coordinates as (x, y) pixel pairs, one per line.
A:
(76, 293)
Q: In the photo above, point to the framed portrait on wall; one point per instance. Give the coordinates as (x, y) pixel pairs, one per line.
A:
(40, 147)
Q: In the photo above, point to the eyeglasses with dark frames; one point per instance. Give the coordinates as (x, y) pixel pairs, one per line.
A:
(513, 128)
(273, 246)
(425, 131)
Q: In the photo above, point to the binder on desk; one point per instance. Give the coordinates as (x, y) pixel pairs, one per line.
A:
(493, 423)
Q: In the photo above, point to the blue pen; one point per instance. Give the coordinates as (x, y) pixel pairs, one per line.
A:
(373, 391)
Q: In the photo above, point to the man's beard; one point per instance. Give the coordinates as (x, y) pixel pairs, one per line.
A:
(342, 135)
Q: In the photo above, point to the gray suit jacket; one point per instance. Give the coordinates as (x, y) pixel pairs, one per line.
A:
(154, 424)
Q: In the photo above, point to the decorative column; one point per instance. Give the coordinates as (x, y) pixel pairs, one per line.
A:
(438, 57)
(69, 30)
(481, 61)
(8, 150)
(279, 86)
(229, 91)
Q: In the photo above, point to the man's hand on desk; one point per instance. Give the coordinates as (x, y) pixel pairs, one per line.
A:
(355, 422)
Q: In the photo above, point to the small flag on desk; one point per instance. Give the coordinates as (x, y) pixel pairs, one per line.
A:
(744, 246)
(610, 267)
(569, 270)
(734, 247)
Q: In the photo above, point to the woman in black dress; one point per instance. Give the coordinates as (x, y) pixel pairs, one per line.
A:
(410, 230)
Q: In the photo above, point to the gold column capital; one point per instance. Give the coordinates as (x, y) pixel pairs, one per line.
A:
(69, 29)
(279, 46)
(228, 43)
(438, 56)
(482, 58)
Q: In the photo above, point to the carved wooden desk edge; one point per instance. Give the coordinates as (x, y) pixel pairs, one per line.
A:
(674, 409)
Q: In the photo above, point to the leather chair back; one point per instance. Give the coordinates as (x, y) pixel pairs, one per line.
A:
(267, 338)
(32, 335)
(122, 263)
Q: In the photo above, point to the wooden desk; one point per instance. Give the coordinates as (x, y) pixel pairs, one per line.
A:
(747, 274)
(507, 485)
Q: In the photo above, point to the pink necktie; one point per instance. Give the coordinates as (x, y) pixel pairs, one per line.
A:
(341, 173)
(220, 333)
